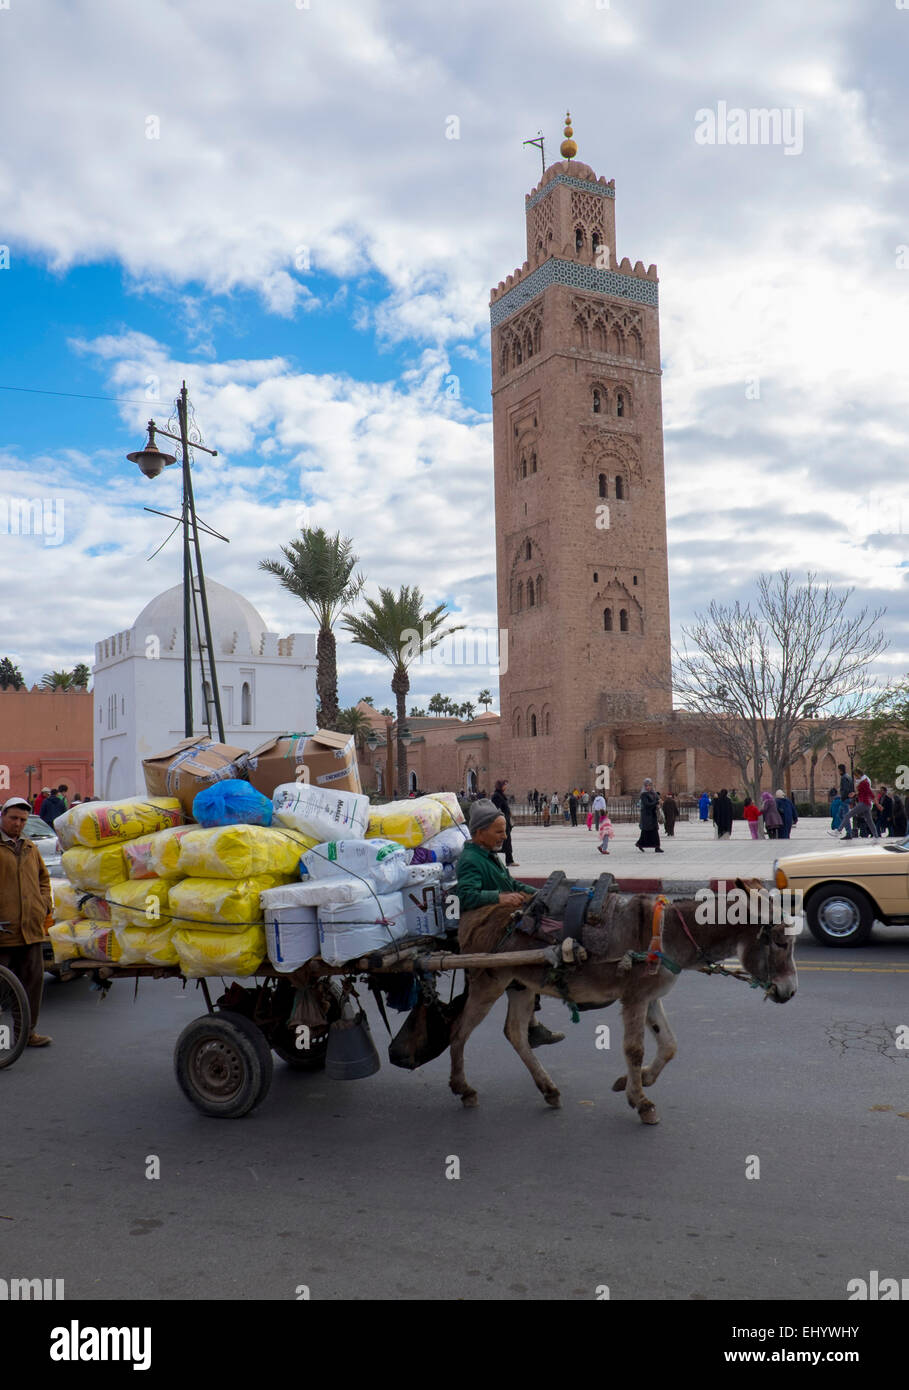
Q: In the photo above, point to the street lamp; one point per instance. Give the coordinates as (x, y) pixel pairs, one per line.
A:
(850, 754)
(152, 461)
(30, 770)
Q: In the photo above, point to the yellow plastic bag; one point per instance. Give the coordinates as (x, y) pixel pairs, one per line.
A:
(94, 870)
(139, 902)
(96, 823)
(220, 953)
(155, 856)
(239, 851)
(84, 940)
(221, 904)
(451, 808)
(154, 946)
(66, 900)
(407, 822)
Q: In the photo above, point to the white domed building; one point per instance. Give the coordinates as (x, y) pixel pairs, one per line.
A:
(267, 684)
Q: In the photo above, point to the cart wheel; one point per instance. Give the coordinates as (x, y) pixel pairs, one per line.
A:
(223, 1064)
(15, 1017)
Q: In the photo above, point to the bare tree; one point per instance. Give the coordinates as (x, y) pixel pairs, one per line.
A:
(754, 676)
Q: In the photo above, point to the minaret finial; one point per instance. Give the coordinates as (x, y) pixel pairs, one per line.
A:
(568, 147)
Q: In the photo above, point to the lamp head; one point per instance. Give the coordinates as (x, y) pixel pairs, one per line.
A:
(151, 459)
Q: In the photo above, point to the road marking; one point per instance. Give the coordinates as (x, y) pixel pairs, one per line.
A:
(858, 969)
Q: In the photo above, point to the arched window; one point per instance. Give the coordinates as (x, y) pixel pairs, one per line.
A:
(596, 577)
(517, 726)
(528, 345)
(527, 551)
(603, 485)
(530, 594)
(607, 619)
(619, 488)
(619, 404)
(245, 704)
(519, 597)
(523, 468)
(533, 462)
(518, 357)
(539, 243)
(533, 726)
(412, 780)
(595, 242)
(623, 620)
(596, 401)
(539, 589)
(546, 728)
(578, 239)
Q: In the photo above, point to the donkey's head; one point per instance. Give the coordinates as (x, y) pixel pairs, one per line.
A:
(767, 950)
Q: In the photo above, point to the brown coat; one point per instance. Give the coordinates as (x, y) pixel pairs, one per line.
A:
(25, 895)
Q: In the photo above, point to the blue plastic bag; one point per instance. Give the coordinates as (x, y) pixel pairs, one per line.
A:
(231, 802)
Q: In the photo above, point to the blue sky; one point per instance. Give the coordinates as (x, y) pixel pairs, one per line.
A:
(304, 242)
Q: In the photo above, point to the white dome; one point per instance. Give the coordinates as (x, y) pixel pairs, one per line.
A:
(236, 625)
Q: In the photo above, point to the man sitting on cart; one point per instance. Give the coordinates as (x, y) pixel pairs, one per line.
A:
(484, 882)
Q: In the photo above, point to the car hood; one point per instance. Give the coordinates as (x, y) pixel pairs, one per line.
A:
(846, 863)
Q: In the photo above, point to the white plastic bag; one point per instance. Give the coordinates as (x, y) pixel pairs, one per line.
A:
(447, 845)
(291, 936)
(320, 812)
(358, 928)
(312, 894)
(380, 863)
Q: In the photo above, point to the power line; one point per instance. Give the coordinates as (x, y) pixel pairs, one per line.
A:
(77, 396)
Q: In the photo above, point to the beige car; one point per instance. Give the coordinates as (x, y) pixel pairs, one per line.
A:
(846, 890)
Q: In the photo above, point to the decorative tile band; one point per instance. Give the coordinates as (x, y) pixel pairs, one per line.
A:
(603, 189)
(578, 277)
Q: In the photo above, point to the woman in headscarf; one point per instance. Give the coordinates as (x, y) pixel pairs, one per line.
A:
(722, 815)
(649, 837)
(500, 799)
(772, 818)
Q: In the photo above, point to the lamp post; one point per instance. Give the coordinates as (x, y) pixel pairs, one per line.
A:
(152, 461)
(372, 742)
(850, 754)
(30, 771)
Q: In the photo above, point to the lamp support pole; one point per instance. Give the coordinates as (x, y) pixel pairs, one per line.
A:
(389, 762)
(189, 516)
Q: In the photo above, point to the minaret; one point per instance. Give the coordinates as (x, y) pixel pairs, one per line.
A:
(579, 491)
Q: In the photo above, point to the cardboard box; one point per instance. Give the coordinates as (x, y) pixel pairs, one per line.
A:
(190, 765)
(330, 760)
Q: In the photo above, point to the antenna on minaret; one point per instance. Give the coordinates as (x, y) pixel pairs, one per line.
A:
(538, 142)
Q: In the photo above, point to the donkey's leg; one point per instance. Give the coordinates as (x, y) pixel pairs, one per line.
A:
(484, 988)
(633, 1024)
(517, 1021)
(666, 1048)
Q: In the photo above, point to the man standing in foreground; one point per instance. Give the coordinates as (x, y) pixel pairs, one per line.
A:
(485, 883)
(861, 811)
(25, 905)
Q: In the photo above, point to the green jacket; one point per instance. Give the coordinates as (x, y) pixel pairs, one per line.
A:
(482, 877)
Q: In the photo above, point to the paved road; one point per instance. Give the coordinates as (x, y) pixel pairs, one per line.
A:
(342, 1186)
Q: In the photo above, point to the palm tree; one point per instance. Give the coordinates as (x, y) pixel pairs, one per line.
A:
(57, 680)
(81, 675)
(416, 712)
(354, 721)
(467, 710)
(437, 704)
(319, 571)
(485, 699)
(10, 675)
(396, 627)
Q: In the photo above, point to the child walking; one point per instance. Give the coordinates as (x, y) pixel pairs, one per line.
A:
(605, 833)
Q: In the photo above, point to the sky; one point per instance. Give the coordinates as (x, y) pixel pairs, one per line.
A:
(300, 207)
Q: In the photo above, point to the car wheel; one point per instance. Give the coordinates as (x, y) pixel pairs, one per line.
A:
(839, 915)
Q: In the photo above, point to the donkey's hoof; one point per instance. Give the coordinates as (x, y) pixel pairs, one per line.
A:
(619, 1085)
(470, 1100)
(648, 1114)
(553, 1098)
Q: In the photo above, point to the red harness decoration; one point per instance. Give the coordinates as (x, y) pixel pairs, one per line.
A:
(656, 935)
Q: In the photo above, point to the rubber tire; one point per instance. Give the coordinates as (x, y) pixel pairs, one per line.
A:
(865, 913)
(12, 985)
(244, 1048)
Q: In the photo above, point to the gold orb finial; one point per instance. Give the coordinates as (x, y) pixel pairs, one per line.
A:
(568, 147)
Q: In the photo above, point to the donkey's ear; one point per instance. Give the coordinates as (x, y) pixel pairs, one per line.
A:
(749, 885)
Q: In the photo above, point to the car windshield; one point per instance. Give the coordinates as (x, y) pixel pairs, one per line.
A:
(36, 829)
(899, 846)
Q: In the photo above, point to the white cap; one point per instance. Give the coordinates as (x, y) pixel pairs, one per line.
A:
(15, 801)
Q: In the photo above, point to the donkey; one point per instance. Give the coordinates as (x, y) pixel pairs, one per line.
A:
(614, 969)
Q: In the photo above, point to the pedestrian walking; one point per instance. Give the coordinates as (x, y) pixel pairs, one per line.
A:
(585, 802)
(40, 799)
(499, 798)
(704, 806)
(772, 818)
(671, 814)
(899, 816)
(860, 813)
(605, 832)
(847, 789)
(649, 837)
(546, 815)
(599, 809)
(554, 804)
(885, 804)
(52, 807)
(26, 908)
(573, 806)
(788, 814)
(589, 820)
(722, 815)
(752, 815)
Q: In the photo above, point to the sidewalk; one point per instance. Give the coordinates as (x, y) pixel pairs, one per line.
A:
(692, 859)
